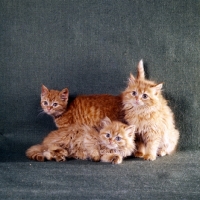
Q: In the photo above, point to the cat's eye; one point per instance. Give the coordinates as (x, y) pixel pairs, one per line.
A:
(55, 104)
(134, 93)
(118, 138)
(144, 96)
(45, 103)
(107, 135)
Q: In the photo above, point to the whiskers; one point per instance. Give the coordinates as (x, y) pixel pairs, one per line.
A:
(41, 113)
(108, 145)
(102, 143)
(127, 105)
(130, 107)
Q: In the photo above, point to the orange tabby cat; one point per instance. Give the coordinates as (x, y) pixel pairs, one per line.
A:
(110, 142)
(88, 109)
(146, 108)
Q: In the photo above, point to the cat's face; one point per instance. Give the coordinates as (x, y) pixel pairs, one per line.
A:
(141, 93)
(54, 102)
(116, 135)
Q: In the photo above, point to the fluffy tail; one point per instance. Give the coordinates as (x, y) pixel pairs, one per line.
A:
(140, 70)
(36, 152)
(41, 152)
(173, 142)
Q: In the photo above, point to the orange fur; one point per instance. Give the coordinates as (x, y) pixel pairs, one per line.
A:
(88, 109)
(146, 108)
(110, 142)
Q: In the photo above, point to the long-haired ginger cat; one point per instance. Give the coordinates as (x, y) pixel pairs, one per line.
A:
(110, 142)
(85, 109)
(146, 108)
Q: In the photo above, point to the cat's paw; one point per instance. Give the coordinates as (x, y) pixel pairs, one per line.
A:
(47, 155)
(162, 153)
(58, 154)
(95, 158)
(116, 159)
(138, 154)
(149, 157)
(61, 155)
(60, 158)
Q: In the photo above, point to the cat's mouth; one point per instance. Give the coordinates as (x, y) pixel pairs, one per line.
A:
(49, 112)
(53, 113)
(112, 146)
(138, 103)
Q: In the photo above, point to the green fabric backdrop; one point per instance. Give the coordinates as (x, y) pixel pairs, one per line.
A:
(91, 46)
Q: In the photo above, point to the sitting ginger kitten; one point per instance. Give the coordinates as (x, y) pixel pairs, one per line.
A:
(146, 108)
(110, 142)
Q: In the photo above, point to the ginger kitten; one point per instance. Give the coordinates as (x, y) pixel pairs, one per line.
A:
(146, 108)
(88, 109)
(110, 142)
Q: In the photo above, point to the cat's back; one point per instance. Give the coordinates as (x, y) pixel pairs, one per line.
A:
(90, 109)
(98, 100)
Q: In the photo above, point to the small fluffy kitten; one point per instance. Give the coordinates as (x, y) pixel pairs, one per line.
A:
(88, 109)
(146, 108)
(110, 142)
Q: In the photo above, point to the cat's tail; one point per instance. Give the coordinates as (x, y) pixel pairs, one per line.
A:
(40, 152)
(173, 142)
(36, 152)
(140, 70)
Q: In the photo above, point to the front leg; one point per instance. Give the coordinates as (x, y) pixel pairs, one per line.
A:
(140, 150)
(152, 145)
(111, 157)
(95, 156)
(140, 146)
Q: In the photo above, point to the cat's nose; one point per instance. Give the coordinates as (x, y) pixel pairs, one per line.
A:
(49, 108)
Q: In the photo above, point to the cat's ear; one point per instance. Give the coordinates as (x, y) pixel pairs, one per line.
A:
(64, 94)
(130, 130)
(131, 79)
(157, 88)
(44, 91)
(105, 122)
(140, 70)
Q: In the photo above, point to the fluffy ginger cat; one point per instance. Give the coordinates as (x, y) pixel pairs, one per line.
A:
(146, 108)
(110, 142)
(88, 109)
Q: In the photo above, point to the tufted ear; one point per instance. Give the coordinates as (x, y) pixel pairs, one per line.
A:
(105, 122)
(131, 79)
(130, 130)
(140, 70)
(44, 91)
(64, 94)
(157, 88)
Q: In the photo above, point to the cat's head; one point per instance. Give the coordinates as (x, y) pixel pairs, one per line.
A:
(116, 135)
(140, 92)
(54, 102)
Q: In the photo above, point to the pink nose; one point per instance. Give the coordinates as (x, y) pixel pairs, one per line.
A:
(48, 108)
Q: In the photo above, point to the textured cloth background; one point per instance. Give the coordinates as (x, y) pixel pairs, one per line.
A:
(91, 46)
